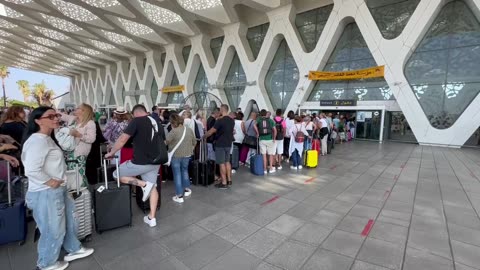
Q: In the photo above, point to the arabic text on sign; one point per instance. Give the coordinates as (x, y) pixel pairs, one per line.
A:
(373, 72)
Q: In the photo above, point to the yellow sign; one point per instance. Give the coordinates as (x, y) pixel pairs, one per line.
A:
(175, 88)
(373, 72)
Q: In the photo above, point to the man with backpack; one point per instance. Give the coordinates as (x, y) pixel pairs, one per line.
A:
(146, 132)
(280, 125)
(266, 132)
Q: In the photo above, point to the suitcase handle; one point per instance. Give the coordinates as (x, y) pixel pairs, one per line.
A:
(9, 184)
(105, 171)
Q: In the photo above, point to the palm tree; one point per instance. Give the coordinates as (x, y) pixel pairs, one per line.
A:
(4, 74)
(24, 87)
(42, 95)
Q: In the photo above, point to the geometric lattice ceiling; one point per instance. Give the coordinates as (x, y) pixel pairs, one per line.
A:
(70, 37)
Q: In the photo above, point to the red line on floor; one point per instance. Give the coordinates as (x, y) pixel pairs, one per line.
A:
(368, 227)
(402, 166)
(333, 167)
(473, 175)
(309, 180)
(271, 200)
(386, 195)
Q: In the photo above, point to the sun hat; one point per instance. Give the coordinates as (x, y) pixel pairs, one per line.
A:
(120, 110)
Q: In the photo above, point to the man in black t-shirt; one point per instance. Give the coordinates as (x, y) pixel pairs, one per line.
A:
(210, 141)
(141, 130)
(223, 130)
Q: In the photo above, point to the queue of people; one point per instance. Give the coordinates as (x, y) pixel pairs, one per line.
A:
(229, 141)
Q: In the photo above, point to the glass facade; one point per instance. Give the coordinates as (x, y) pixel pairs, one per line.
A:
(282, 77)
(351, 53)
(256, 36)
(310, 25)
(112, 98)
(186, 53)
(391, 16)
(216, 46)
(175, 97)
(154, 91)
(200, 85)
(444, 70)
(137, 97)
(235, 83)
(162, 59)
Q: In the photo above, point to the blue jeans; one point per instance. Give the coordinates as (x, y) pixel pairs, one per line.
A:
(53, 211)
(180, 174)
(296, 160)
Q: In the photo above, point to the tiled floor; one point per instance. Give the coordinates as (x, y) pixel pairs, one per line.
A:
(422, 203)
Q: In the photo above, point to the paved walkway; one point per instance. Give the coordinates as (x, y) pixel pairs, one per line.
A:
(367, 206)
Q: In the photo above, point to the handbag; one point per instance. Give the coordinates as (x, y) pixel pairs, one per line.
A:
(65, 140)
(250, 141)
(170, 154)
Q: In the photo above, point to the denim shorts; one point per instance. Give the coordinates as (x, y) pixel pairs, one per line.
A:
(222, 154)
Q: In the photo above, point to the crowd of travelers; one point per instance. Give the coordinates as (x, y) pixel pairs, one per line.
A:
(38, 143)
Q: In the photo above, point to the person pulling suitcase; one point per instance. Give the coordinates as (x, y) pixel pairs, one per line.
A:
(148, 145)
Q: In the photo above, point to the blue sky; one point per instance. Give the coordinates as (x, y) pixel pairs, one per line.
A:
(58, 84)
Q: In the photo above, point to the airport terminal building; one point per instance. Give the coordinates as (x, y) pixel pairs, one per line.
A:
(257, 54)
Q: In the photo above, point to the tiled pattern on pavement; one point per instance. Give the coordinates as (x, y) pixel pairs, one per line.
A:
(423, 203)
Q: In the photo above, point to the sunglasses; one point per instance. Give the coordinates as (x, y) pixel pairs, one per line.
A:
(52, 116)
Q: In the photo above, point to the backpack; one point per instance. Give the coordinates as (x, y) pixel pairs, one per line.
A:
(158, 143)
(279, 127)
(264, 127)
(299, 136)
(197, 130)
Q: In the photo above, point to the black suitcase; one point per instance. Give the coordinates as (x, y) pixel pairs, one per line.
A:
(112, 203)
(235, 159)
(203, 169)
(330, 143)
(13, 224)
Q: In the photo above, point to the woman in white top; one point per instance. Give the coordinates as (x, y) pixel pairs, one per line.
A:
(323, 133)
(296, 148)
(83, 129)
(53, 208)
(289, 122)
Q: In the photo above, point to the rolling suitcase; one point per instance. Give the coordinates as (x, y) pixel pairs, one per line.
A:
(112, 203)
(83, 205)
(235, 160)
(256, 163)
(13, 225)
(316, 145)
(330, 143)
(203, 169)
(310, 157)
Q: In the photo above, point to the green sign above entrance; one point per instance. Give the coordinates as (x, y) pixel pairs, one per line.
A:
(343, 102)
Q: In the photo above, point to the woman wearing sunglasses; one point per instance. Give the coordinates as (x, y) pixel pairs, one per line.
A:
(53, 208)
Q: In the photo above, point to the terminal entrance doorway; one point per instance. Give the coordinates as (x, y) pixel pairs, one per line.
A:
(367, 123)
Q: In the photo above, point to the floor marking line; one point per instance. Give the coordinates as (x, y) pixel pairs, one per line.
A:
(309, 180)
(271, 200)
(333, 167)
(386, 195)
(368, 227)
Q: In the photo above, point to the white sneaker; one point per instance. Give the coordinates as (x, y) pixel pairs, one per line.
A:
(59, 265)
(187, 192)
(293, 167)
(147, 189)
(234, 171)
(272, 170)
(81, 253)
(279, 167)
(265, 172)
(177, 199)
(151, 222)
(300, 167)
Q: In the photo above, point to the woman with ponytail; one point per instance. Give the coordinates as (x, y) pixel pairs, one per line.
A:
(53, 208)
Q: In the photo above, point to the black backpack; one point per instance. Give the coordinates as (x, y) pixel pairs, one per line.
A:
(264, 127)
(158, 141)
(279, 127)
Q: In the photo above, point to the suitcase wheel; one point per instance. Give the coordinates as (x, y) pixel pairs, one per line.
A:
(87, 238)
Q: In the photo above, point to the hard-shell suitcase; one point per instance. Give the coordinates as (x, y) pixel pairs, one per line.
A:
(235, 157)
(330, 143)
(310, 157)
(112, 203)
(256, 163)
(316, 145)
(83, 205)
(203, 169)
(13, 225)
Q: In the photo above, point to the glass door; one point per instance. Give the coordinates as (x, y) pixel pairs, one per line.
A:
(368, 125)
(397, 128)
